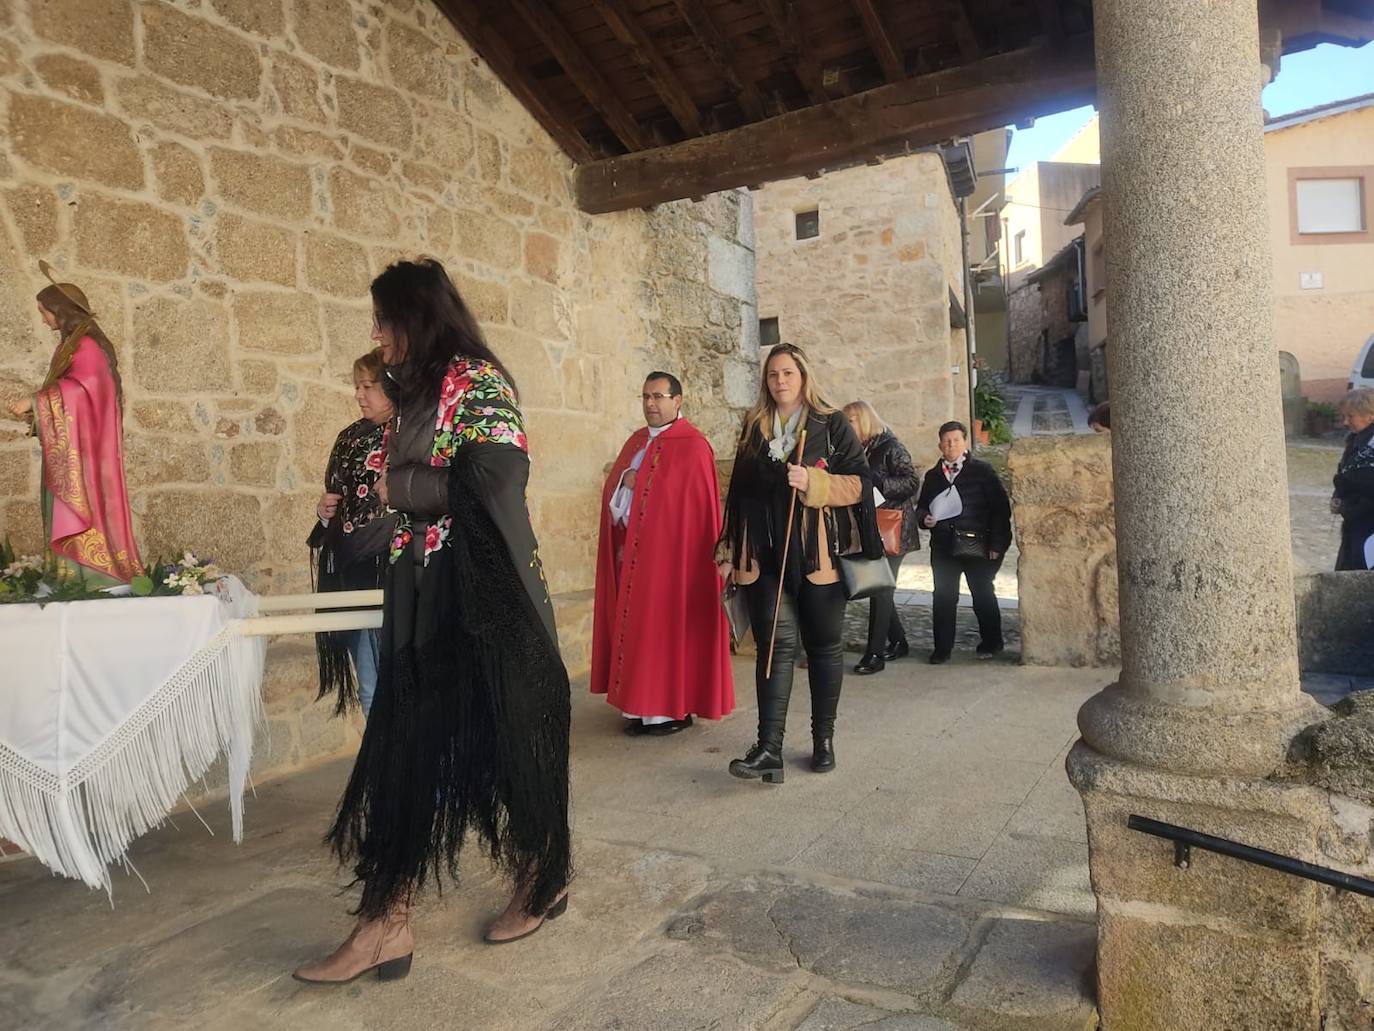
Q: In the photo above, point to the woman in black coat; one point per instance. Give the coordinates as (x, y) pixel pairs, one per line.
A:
(896, 479)
(1353, 498)
(970, 532)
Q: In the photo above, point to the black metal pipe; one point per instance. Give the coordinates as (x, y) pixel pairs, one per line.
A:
(1250, 854)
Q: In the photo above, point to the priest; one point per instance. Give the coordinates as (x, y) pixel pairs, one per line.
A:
(660, 642)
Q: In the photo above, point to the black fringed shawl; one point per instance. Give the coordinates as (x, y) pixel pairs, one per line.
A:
(756, 504)
(469, 728)
(350, 553)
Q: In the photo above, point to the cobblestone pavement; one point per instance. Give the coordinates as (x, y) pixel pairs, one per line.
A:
(936, 881)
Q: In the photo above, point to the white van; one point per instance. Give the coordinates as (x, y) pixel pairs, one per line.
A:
(1362, 375)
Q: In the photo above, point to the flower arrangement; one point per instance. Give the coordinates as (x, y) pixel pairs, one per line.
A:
(42, 579)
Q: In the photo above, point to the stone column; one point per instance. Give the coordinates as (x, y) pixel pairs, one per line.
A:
(1209, 680)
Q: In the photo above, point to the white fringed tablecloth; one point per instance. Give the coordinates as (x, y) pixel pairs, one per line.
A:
(110, 709)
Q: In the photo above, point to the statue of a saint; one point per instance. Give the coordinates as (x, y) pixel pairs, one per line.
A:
(77, 416)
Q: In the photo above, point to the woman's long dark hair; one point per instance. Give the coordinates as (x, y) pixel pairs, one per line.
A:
(419, 303)
(73, 322)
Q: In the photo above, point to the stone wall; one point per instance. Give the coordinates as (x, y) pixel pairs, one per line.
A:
(1336, 622)
(1037, 320)
(1061, 491)
(224, 177)
(868, 300)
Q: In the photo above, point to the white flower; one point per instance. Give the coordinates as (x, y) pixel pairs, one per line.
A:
(192, 589)
(188, 558)
(211, 572)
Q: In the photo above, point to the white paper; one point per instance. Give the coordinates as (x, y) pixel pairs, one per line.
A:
(878, 498)
(947, 504)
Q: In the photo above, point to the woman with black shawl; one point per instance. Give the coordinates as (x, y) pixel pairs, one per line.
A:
(469, 728)
(1353, 498)
(352, 536)
(834, 516)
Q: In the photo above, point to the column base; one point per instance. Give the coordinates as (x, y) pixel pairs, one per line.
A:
(1222, 943)
(1247, 742)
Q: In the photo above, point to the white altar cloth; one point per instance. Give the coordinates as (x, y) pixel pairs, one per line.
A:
(111, 708)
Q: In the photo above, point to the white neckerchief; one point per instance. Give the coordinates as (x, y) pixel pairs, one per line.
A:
(784, 440)
(958, 467)
(623, 497)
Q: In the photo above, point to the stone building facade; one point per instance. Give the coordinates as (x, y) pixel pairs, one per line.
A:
(868, 297)
(224, 177)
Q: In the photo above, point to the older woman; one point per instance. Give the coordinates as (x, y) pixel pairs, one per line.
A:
(968, 513)
(1353, 498)
(833, 517)
(896, 479)
(353, 533)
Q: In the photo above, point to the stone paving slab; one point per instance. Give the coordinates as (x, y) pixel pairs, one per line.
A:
(845, 900)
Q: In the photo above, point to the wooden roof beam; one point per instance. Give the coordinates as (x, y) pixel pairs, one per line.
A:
(497, 53)
(1051, 18)
(782, 16)
(720, 54)
(888, 120)
(894, 68)
(540, 17)
(965, 34)
(660, 74)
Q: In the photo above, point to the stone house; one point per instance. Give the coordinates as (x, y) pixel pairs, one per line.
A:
(861, 268)
(224, 181)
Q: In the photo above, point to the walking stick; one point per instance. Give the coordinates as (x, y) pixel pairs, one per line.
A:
(782, 572)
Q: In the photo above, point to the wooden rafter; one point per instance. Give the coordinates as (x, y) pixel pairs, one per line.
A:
(891, 119)
(965, 34)
(1051, 18)
(894, 68)
(497, 53)
(540, 17)
(657, 70)
(782, 16)
(718, 51)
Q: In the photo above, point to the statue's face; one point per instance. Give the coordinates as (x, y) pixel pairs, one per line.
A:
(49, 319)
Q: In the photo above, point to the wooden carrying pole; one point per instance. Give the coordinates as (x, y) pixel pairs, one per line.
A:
(782, 571)
(367, 614)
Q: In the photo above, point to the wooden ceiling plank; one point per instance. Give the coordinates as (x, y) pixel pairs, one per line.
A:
(494, 50)
(719, 52)
(965, 34)
(1051, 18)
(660, 74)
(782, 16)
(894, 68)
(540, 17)
(919, 111)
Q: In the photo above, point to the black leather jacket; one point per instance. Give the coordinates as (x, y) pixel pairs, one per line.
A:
(895, 476)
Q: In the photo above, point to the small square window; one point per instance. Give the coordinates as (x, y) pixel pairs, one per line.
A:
(769, 334)
(808, 225)
(1330, 205)
(1019, 247)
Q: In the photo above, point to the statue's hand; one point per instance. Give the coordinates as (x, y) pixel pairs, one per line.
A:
(21, 408)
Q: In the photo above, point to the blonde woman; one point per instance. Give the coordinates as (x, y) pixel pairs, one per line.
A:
(896, 479)
(834, 516)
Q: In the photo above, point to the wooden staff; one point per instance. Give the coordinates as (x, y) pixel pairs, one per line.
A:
(782, 572)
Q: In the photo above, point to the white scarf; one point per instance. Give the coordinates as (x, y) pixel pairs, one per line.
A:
(784, 440)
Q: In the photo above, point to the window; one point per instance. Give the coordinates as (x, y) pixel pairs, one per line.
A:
(1018, 249)
(1330, 205)
(808, 225)
(769, 334)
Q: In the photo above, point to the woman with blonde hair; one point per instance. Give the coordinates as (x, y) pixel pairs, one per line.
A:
(763, 550)
(896, 479)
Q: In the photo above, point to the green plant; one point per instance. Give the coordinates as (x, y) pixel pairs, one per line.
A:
(1324, 409)
(990, 407)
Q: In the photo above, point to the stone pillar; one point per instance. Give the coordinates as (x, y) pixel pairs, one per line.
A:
(1209, 679)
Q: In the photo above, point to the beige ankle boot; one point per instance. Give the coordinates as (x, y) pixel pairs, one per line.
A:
(383, 945)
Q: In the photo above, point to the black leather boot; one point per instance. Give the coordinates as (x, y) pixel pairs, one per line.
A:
(897, 650)
(760, 761)
(870, 663)
(823, 752)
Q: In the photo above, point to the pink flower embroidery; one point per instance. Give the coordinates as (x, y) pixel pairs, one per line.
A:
(822, 464)
(362, 490)
(432, 538)
(348, 526)
(375, 460)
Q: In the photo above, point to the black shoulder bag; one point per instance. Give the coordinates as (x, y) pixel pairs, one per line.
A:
(862, 577)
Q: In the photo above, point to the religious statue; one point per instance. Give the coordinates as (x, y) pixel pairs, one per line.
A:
(77, 415)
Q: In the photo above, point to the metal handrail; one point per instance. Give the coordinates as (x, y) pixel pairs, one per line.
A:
(1184, 840)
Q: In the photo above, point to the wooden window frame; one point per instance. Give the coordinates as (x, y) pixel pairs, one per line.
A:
(1364, 173)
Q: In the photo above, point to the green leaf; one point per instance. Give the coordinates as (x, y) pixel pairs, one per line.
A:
(142, 586)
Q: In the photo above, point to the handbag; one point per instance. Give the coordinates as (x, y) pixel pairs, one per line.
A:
(736, 611)
(865, 577)
(890, 529)
(969, 544)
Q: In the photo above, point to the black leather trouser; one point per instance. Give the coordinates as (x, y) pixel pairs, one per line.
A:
(813, 620)
(884, 625)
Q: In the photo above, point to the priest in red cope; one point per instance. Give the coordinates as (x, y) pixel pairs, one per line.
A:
(660, 642)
